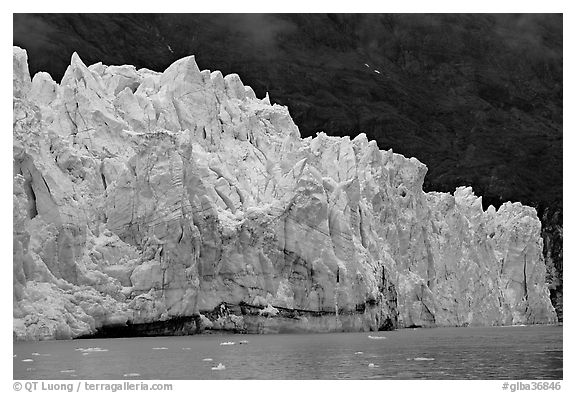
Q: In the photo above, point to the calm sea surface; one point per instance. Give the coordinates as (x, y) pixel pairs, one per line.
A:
(531, 352)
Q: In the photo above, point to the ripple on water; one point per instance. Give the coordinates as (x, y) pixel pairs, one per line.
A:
(474, 353)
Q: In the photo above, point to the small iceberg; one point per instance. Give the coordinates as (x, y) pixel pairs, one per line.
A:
(372, 365)
(376, 71)
(97, 349)
(91, 349)
(243, 342)
(131, 375)
(159, 348)
(27, 360)
(377, 337)
(358, 353)
(228, 343)
(40, 354)
(14, 356)
(67, 371)
(186, 349)
(207, 359)
(423, 359)
(219, 367)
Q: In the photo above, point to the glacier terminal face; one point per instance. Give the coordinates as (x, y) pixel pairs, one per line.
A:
(176, 202)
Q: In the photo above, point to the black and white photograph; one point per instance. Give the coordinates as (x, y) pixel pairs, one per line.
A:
(286, 196)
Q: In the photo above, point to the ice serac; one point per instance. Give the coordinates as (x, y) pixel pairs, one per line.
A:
(178, 202)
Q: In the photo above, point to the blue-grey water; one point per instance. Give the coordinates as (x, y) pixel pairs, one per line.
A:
(531, 352)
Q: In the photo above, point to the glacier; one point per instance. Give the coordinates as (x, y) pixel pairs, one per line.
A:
(179, 202)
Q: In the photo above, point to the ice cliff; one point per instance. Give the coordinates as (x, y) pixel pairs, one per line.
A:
(146, 198)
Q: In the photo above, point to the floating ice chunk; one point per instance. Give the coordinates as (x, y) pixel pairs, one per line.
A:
(228, 343)
(366, 65)
(186, 349)
(376, 71)
(86, 353)
(40, 354)
(131, 375)
(14, 356)
(423, 359)
(372, 365)
(243, 342)
(358, 353)
(30, 369)
(91, 349)
(27, 360)
(220, 366)
(159, 348)
(67, 371)
(377, 337)
(207, 359)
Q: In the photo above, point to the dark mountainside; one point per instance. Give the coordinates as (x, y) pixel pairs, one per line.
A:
(477, 97)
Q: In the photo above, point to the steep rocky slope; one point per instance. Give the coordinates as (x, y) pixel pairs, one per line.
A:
(144, 198)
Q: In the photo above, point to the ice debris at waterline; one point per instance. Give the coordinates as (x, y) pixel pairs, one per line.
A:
(377, 337)
(175, 202)
(220, 366)
(91, 349)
